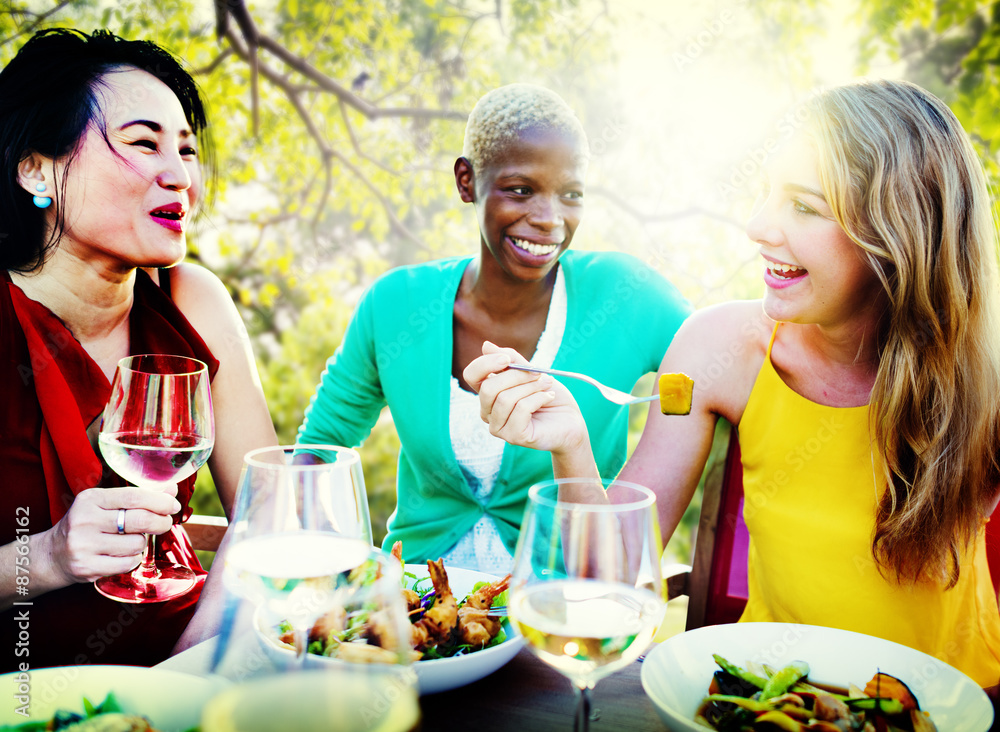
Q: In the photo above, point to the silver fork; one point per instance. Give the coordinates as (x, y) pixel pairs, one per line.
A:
(612, 395)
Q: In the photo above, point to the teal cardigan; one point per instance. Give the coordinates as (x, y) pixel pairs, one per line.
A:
(397, 350)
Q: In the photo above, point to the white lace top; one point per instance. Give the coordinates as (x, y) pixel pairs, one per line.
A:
(479, 453)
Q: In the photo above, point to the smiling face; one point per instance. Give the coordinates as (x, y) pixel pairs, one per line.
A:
(814, 273)
(528, 201)
(128, 198)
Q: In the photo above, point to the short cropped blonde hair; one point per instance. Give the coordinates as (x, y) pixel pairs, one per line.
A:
(501, 115)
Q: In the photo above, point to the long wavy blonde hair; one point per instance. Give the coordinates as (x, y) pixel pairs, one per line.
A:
(905, 183)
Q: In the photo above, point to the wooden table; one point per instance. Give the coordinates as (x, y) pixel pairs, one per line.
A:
(528, 696)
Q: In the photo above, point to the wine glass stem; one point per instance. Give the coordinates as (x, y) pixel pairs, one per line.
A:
(147, 569)
(582, 721)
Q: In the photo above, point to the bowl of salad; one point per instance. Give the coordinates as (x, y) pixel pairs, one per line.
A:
(459, 631)
(105, 698)
(766, 676)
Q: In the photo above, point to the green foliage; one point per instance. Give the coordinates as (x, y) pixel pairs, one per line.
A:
(952, 48)
(321, 198)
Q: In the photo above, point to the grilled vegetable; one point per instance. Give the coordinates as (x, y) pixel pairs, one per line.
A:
(783, 680)
(884, 686)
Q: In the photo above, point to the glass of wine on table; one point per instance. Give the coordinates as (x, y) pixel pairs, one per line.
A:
(300, 521)
(587, 594)
(158, 429)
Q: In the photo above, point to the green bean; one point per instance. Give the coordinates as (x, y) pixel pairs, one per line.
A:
(751, 705)
(884, 705)
(739, 673)
(784, 679)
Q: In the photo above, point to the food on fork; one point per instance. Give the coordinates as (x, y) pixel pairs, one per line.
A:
(676, 391)
(475, 626)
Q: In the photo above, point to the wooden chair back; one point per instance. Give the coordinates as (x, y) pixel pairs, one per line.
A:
(206, 532)
(993, 549)
(716, 582)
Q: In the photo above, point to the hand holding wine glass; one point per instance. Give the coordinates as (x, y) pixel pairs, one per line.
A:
(587, 594)
(158, 429)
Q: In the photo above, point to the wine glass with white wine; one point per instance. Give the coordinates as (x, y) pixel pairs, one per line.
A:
(158, 429)
(367, 684)
(300, 518)
(587, 594)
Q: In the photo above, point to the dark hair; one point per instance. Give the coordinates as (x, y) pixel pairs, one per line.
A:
(47, 99)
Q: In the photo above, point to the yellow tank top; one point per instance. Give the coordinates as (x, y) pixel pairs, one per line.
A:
(809, 502)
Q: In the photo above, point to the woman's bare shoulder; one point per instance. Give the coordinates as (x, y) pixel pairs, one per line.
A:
(205, 302)
(738, 324)
(722, 348)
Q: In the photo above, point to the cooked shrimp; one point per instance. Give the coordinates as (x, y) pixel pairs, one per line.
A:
(411, 597)
(412, 600)
(475, 627)
(437, 623)
(482, 598)
(397, 551)
(364, 653)
(333, 621)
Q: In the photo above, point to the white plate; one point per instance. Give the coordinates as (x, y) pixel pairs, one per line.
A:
(676, 674)
(433, 675)
(170, 700)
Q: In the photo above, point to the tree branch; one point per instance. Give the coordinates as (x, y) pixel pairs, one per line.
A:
(398, 226)
(214, 64)
(39, 18)
(357, 148)
(238, 10)
(646, 218)
(326, 151)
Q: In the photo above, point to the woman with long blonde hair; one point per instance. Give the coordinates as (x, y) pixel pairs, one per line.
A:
(865, 384)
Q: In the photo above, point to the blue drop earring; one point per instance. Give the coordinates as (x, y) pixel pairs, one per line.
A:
(41, 201)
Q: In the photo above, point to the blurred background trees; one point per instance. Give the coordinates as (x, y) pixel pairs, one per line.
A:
(336, 125)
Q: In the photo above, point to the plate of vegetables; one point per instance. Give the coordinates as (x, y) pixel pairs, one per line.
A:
(456, 639)
(803, 678)
(83, 698)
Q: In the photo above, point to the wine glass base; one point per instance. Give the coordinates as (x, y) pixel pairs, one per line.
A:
(170, 581)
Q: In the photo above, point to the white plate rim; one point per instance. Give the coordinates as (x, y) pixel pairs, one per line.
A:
(977, 716)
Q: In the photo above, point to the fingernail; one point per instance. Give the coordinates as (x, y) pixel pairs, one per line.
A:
(546, 380)
(504, 360)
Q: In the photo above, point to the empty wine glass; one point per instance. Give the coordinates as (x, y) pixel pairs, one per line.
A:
(586, 593)
(300, 518)
(158, 429)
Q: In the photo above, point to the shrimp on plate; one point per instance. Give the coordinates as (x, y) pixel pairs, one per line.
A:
(475, 626)
(411, 597)
(437, 623)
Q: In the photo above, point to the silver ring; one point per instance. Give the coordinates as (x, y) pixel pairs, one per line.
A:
(121, 520)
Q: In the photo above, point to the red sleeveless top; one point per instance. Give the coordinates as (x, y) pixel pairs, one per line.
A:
(51, 392)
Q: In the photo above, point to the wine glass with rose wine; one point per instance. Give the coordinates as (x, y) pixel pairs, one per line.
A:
(587, 594)
(158, 429)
